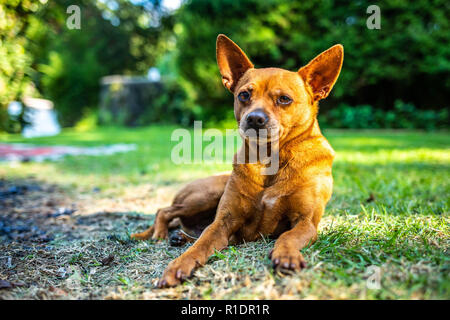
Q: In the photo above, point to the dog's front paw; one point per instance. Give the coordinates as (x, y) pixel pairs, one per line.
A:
(176, 272)
(177, 239)
(160, 233)
(285, 259)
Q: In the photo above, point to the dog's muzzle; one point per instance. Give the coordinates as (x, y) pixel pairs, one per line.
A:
(256, 120)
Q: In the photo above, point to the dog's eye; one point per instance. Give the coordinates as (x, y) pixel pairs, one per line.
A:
(244, 96)
(284, 100)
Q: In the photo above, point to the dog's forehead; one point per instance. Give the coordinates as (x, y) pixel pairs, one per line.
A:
(271, 78)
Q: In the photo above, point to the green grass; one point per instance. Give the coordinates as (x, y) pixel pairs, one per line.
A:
(390, 209)
(150, 162)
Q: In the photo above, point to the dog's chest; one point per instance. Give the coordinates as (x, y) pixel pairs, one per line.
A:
(266, 218)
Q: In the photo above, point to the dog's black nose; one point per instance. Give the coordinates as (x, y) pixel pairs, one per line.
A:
(257, 119)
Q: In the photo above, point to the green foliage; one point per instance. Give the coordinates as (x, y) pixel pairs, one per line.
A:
(15, 61)
(176, 102)
(115, 39)
(65, 65)
(402, 116)
(72, 86)
(407, 59)
(168, 107)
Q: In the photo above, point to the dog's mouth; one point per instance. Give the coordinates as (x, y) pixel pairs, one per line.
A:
(259, 136)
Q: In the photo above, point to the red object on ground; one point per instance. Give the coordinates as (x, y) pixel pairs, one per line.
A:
(27, 152)
(7, 151)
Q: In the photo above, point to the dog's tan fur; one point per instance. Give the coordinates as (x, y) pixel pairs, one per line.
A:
(247, 204)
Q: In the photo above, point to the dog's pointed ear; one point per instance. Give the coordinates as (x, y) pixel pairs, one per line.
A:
(232, 61)
(322, 72)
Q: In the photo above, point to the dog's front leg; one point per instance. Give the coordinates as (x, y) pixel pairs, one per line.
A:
(286, 253)
(214, 237)
(305, 209)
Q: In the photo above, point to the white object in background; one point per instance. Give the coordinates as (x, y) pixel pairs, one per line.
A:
(171, 5)
(41, 117)
(14, 109)
(153, 74)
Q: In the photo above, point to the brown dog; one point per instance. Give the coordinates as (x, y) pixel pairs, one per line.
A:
(248, 204)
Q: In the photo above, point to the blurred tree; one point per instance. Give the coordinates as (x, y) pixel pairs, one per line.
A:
(407, 59)
(116, 37)
(15, 62)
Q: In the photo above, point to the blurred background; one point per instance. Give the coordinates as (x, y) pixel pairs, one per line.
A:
(91, 92)
(135, 62)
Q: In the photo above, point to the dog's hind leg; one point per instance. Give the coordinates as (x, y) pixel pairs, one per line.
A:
(192, 204)
(147, 234)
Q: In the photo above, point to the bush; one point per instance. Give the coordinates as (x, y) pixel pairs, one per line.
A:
(403, 116)
(407, 59)
(169, 107)
(15, 61)
(66, 65)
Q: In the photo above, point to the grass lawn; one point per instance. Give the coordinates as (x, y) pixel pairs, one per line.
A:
(388, 219)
